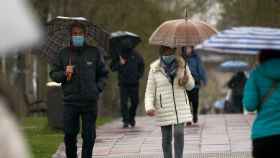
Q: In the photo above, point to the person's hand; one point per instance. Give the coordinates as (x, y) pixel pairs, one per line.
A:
(184, 79)
(122, 60)
(69, 72)
(69, 69)
(251, 113)
(151, 113)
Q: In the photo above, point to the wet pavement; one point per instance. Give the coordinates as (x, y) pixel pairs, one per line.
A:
(215, 136)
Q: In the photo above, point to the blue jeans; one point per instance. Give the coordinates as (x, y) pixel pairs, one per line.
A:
(178, 140)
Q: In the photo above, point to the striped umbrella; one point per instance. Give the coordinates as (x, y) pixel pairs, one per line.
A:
(234, 66)
(243, 40)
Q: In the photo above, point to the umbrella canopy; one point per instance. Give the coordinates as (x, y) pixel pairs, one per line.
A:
(181, 33)
(234, 66)
(121, 40)
(243, 40)
(124, 39)
(219, 104)
(58, 35)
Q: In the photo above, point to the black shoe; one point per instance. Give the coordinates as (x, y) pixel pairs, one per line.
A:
(195, 119)
(188, 124)
(132, 123)
(125, 125)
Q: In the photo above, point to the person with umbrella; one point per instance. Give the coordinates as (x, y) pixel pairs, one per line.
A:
(262, 94)
(184, 34)
(165, 97)
(233, 102)
(199, 75)
(82, 71)
(130, 67)
(170, 76)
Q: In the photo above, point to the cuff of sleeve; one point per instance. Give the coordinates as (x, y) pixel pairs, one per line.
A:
(149, 108)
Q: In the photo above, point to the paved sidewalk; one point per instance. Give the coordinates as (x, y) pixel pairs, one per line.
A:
(221, 136)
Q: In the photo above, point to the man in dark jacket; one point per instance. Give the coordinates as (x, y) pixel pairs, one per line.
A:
(81, 70)
(199, 75)
(130, 68)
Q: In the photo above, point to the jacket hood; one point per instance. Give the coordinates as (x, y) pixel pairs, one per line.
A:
(270, 69)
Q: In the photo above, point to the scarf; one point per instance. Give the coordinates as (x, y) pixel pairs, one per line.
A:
(169, 69)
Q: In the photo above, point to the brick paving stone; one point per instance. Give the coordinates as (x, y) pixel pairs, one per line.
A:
(215, 148)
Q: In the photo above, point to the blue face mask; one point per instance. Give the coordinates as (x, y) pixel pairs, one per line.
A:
(78, 41)
(169, 59)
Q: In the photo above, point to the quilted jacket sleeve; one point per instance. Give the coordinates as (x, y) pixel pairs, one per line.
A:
(150, 93)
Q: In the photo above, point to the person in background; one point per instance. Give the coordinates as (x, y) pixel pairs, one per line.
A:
(82, 71)
(130, 68)
(166, 97)
(199, 74)
(236, 85)
(261, 94)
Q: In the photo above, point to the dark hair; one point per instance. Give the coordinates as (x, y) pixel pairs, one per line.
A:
(161, 49)
(77, 24)
(268, 54)
(184, 49)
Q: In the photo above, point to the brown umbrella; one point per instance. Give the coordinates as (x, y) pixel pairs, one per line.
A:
(181, 32)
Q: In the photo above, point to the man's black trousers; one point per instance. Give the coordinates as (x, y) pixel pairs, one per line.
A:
(129, 93)
(87, 113)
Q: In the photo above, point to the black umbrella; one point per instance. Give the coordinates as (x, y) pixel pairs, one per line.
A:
(121, 41)
(124, 39)
(58, 35)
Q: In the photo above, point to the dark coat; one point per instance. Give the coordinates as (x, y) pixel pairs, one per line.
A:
(130, 73)
(89, 76)
(197, 69)
(237, 83)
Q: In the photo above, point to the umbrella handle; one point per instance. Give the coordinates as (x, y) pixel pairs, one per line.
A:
(185, 69)
(69, 76)
(186, 14)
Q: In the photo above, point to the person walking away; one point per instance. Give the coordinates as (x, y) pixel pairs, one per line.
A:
(261, 94)
(199, 74)
(166, 97)
(130, 68)
(81, 70)
(236, 84)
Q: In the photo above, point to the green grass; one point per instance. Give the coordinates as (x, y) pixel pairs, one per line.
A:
(43, 141)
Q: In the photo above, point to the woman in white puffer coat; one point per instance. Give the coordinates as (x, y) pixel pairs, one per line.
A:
(166, 97)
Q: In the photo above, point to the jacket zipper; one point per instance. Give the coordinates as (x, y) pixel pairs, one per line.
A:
(186, 97)
(160, 100)
(176, 112)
